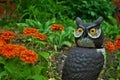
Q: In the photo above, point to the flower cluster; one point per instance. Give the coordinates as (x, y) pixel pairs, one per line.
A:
(2, 43)
(20, 49)
(9, 51)
(29, 56)
(40, 36)
(7, 35)
(117, 43)
(34, 32)
(112, 46)
(30, 31)
(12, 50)
(56, 27)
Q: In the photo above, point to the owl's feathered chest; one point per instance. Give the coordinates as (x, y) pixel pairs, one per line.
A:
(83, 64)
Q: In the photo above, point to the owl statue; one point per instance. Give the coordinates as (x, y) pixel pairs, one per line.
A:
(87, 59)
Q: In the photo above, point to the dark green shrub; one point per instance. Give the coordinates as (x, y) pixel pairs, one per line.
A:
(61, 9)
(40, 9)
(89, 9)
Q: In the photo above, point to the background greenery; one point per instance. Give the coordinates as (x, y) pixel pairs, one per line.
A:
(44, 10)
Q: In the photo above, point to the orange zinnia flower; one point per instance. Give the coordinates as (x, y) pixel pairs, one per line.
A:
(20, 49)
(56, 27)
(30, 31)
(9, 50)
(8, 35)
(29, 56)
(40, 36)
(117, 43)
(110, 47)
(2, 43)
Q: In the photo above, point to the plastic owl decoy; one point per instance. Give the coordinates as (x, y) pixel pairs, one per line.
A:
(87, 59)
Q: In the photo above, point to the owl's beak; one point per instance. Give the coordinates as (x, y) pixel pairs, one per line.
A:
(85, 34)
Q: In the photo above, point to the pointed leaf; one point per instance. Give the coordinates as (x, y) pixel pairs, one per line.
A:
(45, 55)
(67, 43)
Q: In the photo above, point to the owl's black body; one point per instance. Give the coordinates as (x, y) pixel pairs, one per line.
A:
(86, 60)
(83, 64)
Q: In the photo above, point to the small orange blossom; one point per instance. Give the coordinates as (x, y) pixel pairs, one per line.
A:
(117, 43)
(20, 49)
(110, 46)
(29, 56)
(8, 35)
(30, 31)
(40, 36)
(2, 43)
(56, 27)
(9, 50)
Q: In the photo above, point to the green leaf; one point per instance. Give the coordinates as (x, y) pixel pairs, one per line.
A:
(3, 73)
(8, 69)
(38, 25)
(1, 58)
(45, 55)
(67, 43)
(30, 22)
(39, 77)
(22, 25)
(111, 79)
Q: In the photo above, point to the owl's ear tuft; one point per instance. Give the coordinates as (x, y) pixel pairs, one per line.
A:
(79, 21)
(99, 20)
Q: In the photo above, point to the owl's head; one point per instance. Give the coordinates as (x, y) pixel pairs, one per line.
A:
(89, 35)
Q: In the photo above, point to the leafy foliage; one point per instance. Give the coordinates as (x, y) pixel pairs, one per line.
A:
(89, 9)
(113, 66)
(40, 9)
(11, 70)
(58, 39)
(111, 30)
(43, 10)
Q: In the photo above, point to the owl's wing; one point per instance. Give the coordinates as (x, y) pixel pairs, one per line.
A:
(82, 64)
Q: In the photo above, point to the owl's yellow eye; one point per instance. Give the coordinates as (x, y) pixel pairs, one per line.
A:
(79, 30)
(93, 31)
